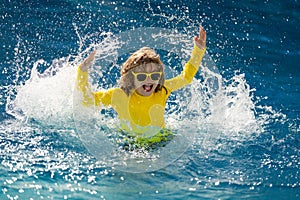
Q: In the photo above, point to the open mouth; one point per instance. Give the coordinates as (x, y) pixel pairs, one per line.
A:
(148, 87)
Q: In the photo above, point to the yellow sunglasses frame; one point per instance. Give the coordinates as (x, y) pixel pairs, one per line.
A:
(147, 75)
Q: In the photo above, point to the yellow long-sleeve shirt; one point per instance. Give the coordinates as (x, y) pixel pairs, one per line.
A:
(137, 113)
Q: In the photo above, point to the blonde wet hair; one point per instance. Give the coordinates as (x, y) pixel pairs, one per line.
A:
(141, 57)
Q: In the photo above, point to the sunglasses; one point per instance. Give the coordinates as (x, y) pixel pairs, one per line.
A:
(154, 76)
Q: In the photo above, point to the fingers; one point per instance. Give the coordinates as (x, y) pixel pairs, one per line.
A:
(88, 61)
(202, 33)
(91, 57)
(93, 52)
(200, 40)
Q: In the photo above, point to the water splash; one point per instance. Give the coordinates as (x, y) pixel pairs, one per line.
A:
(233, 109)
(221, 112)
(227, 105)
(46, 97)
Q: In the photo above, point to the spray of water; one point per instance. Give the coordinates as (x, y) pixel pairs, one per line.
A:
(208, 109)
(221, 112)
(211, 108)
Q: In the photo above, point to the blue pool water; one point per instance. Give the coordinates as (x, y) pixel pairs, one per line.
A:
(245, 101)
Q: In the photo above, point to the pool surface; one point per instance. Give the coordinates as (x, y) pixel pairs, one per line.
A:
(238, 121)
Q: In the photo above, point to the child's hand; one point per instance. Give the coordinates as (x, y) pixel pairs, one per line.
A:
(200, 40)
(88, 62)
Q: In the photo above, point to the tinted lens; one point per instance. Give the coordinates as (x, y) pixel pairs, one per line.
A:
(141, 77)
(155, 76)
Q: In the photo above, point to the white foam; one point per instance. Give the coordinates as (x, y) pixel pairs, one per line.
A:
(211, 108)
(47, 97)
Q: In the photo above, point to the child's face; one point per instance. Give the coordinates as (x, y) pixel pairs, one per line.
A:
(146, 78)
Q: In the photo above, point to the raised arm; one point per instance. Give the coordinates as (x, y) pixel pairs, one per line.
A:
(192, 66)
(91, 98)
(82, 80)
